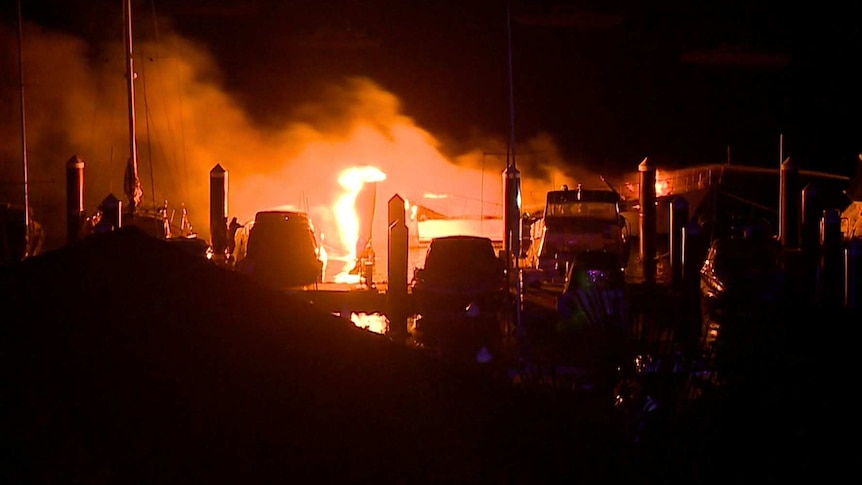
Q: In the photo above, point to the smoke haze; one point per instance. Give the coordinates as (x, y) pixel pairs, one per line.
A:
(76, 105)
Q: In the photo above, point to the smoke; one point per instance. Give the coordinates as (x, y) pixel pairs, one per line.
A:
(76, 105)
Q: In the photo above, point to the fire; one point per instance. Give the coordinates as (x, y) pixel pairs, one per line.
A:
(411, 210)
(322, 253)
(357, 144)
(374, 322)
(352, 180)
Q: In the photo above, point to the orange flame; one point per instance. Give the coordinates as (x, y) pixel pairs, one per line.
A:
(374, 322)
(351, 180)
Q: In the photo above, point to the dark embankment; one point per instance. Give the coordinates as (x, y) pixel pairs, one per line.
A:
(127, 360)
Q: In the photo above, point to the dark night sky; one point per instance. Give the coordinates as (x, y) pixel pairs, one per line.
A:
(610, 80)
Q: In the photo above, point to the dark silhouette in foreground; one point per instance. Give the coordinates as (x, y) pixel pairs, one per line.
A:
(127, 360)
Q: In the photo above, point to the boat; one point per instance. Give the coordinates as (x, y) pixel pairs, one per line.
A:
(279, 249)
(459, 296)
(156, 221)
(743, 281)
(573, 224)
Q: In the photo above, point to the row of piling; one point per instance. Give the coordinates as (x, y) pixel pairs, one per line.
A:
(809, 228)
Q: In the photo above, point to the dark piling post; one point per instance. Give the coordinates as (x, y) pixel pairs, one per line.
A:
(74, 198)
(812, 211)
(218, 212)
(693, 252)
(789, 202)
(852, 273)
(810, 254)
(396, 293)
(512, 238)
(647, 219)
(678, 222)
(832, 251)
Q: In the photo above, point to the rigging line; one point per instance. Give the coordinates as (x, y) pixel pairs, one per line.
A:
(27, 222)
(149, 138)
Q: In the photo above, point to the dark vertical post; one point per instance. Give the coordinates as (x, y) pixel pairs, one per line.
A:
(512, 216)
(852, 272)
(647, 217)
(75, 212)
(396, 293)
(812, 210)
(512, 242)
(809, 255)
(789, 195)
(693, 252)
(832, 253)
(218, 212)
(678, 222)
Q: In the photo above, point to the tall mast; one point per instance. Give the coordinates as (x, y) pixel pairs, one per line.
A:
(511, 86)
(27, 222)
(512, 194)
(132, 182)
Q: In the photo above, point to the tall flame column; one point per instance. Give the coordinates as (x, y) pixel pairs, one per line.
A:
(74, 198)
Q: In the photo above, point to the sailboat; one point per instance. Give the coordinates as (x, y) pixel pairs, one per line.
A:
(154, 221)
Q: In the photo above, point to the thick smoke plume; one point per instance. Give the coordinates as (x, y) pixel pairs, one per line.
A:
(75, 96)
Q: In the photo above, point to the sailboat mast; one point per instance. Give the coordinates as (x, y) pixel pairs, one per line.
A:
(512, 189)
(130, 77)
(26, 164)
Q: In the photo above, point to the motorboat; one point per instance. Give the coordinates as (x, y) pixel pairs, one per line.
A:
(594, 291)
(743, 276)
(459, 294)
(281, 251)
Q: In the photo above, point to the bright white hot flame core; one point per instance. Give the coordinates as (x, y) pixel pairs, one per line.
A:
(374, 322)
